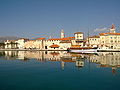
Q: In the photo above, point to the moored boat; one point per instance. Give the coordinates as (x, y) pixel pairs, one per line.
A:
(83, 49)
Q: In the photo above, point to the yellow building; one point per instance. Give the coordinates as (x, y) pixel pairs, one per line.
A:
(110, 39)
(93, 41)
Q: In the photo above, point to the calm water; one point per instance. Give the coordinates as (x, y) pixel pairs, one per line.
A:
(59, 71)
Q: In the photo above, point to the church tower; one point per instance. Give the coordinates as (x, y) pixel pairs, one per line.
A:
(62, 34)
(112, 29)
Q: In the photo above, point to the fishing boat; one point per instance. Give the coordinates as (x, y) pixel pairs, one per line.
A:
(85, 49)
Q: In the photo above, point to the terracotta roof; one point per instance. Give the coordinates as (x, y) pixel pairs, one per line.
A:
(65, 41)
(54, 46)
(40, 38)
(102, 34)
(55, 39)
(67, 38)
(78, 33)
(94, 36)
(71, 37)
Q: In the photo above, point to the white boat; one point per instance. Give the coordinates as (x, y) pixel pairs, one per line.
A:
(83, 49)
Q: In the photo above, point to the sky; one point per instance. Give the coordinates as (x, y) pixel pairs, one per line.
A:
(45, 18)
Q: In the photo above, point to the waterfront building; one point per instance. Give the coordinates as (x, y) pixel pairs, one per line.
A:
(15, 44)
(110, 39)
(79, 39)
(62, 43)
(93, 41)
(34, 44)
(11, 44)
(57, 43)
(2, 45)
(20, 43)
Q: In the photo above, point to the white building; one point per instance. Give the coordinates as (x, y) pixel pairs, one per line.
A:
(21, 42)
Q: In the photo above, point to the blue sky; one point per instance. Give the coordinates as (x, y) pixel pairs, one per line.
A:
(44, 18)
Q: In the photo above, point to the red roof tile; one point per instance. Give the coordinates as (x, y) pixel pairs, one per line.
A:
(54, 46)
(78, 33)
(94, 36)
(67, 38)
(102, 34)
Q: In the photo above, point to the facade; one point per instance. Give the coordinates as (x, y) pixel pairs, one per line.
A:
(109, 40)
(34, 44)
(57, 43)
(62, 43)
(11, 44)
(79, 39)
(15, 44)
(93, 41)
(20, 43)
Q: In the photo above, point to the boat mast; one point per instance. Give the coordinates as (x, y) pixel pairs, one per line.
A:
(88, 36)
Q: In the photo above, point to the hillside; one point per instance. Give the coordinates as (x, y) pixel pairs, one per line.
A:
(2, 39)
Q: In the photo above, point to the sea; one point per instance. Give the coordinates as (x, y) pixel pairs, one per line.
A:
(59, 70)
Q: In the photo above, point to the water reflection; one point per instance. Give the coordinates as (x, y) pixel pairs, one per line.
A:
(101, 59)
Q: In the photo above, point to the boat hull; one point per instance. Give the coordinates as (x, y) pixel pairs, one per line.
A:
(83, 51)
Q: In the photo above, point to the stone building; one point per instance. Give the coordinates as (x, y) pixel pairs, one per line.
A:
(93, 41)
(109, 40)
(62, 43)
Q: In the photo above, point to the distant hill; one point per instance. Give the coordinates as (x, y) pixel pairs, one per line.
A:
(2, 39)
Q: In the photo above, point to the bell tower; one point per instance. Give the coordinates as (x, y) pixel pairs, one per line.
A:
(62, 34)
(112, 29)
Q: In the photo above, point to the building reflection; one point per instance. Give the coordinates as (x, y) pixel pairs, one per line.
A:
(107, 60)
(101, 59)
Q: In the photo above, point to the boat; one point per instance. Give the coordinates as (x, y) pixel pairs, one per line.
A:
(84, 49)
